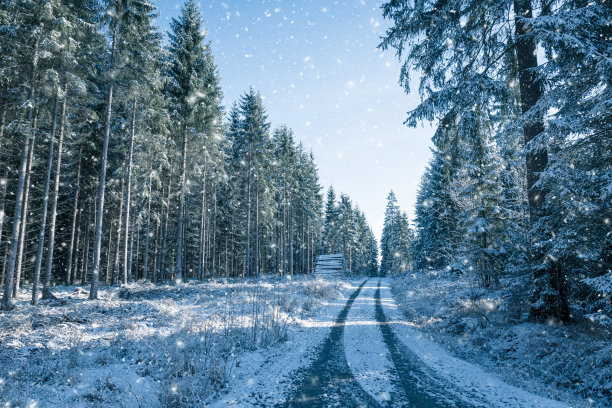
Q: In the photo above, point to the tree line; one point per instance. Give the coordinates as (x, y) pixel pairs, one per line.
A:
(118, 161)
(397, 239)
(346, 231)
(518, 190)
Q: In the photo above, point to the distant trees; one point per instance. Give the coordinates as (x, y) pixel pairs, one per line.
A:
(497, 100)
(396, 240)
(346, 231)
(116, 164)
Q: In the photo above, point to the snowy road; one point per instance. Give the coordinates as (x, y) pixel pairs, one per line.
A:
(359, 351)
(372, 357)
(329, 381)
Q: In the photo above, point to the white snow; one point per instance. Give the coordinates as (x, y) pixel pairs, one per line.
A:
(150, 345)
(364, 347)
(466, 376)
(219, 343)
(264, 377)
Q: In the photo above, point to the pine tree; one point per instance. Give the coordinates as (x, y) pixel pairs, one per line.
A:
(194, 95)
(346, 229)
(331, 222)
(396, 239)
(477, 193)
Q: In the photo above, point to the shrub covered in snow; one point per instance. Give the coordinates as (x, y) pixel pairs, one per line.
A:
(490, 328)
(145, 344)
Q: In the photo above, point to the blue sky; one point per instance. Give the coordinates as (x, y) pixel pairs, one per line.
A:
(317, 66)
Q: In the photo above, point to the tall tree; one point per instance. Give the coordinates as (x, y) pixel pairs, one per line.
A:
(396, 239)
(194, 94)
(32, 23)
(330, 224)
(486, 54)
(479, 45)
(115, 15)
(255, 130)
(346, 228)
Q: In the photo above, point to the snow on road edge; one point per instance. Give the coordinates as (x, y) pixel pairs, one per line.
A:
(464, 375)
(264, 377)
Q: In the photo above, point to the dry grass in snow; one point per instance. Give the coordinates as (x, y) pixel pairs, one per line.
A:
(145, 345)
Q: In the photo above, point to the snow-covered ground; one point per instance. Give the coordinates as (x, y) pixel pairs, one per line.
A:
(365, 350)
(265, 377)
(442, 378)
(475, 385)
(569, 363)
(151, 346)
(249, 343)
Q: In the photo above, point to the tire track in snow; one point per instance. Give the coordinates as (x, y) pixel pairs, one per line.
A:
(329, 381)
(421, 387)
(470, 384)
(367, 354)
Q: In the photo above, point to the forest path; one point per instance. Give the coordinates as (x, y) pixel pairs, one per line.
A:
(374, 358)
(363, 364)
(329, 381)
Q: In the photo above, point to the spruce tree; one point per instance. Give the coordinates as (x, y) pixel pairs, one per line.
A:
(396, 239)
(477, 194)
(477, 61)
(194, 93)
(436, 217)
(331, 222)
(34, 23)
(346, 229)
(389, 234)
(255, 130)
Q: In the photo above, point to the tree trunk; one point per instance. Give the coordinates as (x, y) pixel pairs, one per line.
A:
(154, 274)
(74, 221)
(214, 228)
(291, 237)
(75, 270)
(24, 219)
(179, 244)
(164, 232)
(147, 231)
(43, 222)
(107, 270)
(536, 162)
(119, 229)
(6, 251)
(233, 250)
(136, 231)
(256, 269)
(3, 184)
(128, 196)
(130, 257)
(46, 292)
(8, 282)
(531, 92)
(226, 266)
(3, 109)
(85, 262)
(97, 247)
(247, 255)
(202, 223)
(93, 293)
